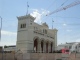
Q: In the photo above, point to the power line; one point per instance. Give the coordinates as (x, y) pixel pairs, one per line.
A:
(58, 7)
(64, 3)
(51, 4)
(64, 17)
(66, 7)
(69, 23)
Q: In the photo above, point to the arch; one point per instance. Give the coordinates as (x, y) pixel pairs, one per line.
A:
(36, 37)
(36, 44)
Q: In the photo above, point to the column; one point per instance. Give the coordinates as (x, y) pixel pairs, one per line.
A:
(44, 47)
(39, 46)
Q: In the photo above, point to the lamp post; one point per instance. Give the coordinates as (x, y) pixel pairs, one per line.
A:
(0, 27)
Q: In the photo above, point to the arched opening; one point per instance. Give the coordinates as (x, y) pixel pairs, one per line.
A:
(47, 47)
(51, 46)
(35, 45)
(42, 43)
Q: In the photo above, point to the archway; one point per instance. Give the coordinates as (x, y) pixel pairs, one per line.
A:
(36, 45)
(42, 44)
(46, 47)
(51, 46)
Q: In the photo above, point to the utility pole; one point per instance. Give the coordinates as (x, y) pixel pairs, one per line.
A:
(0, 27)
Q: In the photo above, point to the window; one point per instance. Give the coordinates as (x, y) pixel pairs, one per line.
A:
(34, 28)
(31, 22)
(23, 26)
(76, 47)
(45, 31)
(69, 47)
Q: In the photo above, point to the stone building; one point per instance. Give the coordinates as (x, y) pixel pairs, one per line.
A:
(10, 48)
(72, 46)
(32, 37)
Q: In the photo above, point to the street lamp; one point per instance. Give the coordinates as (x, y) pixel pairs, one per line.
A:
(0, 27)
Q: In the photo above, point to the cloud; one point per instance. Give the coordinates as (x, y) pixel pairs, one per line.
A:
(69, 30)
(36, 14)
(39, 14)
(64, 24)
(8, 33)
(7, 43)
(8, 38)
(78, 40)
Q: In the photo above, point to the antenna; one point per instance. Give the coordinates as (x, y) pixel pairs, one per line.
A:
(27, 8)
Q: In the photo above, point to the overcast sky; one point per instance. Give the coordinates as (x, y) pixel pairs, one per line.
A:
(67, 21)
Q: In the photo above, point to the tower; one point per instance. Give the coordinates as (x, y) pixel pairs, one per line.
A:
(24, 42)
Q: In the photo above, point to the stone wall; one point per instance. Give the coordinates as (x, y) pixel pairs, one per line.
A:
(7, 56)
(39, 56)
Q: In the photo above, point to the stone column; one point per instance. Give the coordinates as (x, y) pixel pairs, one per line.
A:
(39, 46)
(44, 47)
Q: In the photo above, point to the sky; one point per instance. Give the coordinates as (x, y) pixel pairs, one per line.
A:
(66, 21)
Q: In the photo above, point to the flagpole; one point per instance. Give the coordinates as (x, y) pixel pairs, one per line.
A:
(27, 8)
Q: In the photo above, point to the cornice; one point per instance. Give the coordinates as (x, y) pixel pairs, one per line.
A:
(25, 17)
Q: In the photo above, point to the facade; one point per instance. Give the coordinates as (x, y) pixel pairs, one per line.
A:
(32, 37)
(73, 46)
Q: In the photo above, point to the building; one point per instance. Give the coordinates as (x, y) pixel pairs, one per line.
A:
(10, 48)
(32, 37)
(1, 48)
(73, 46)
